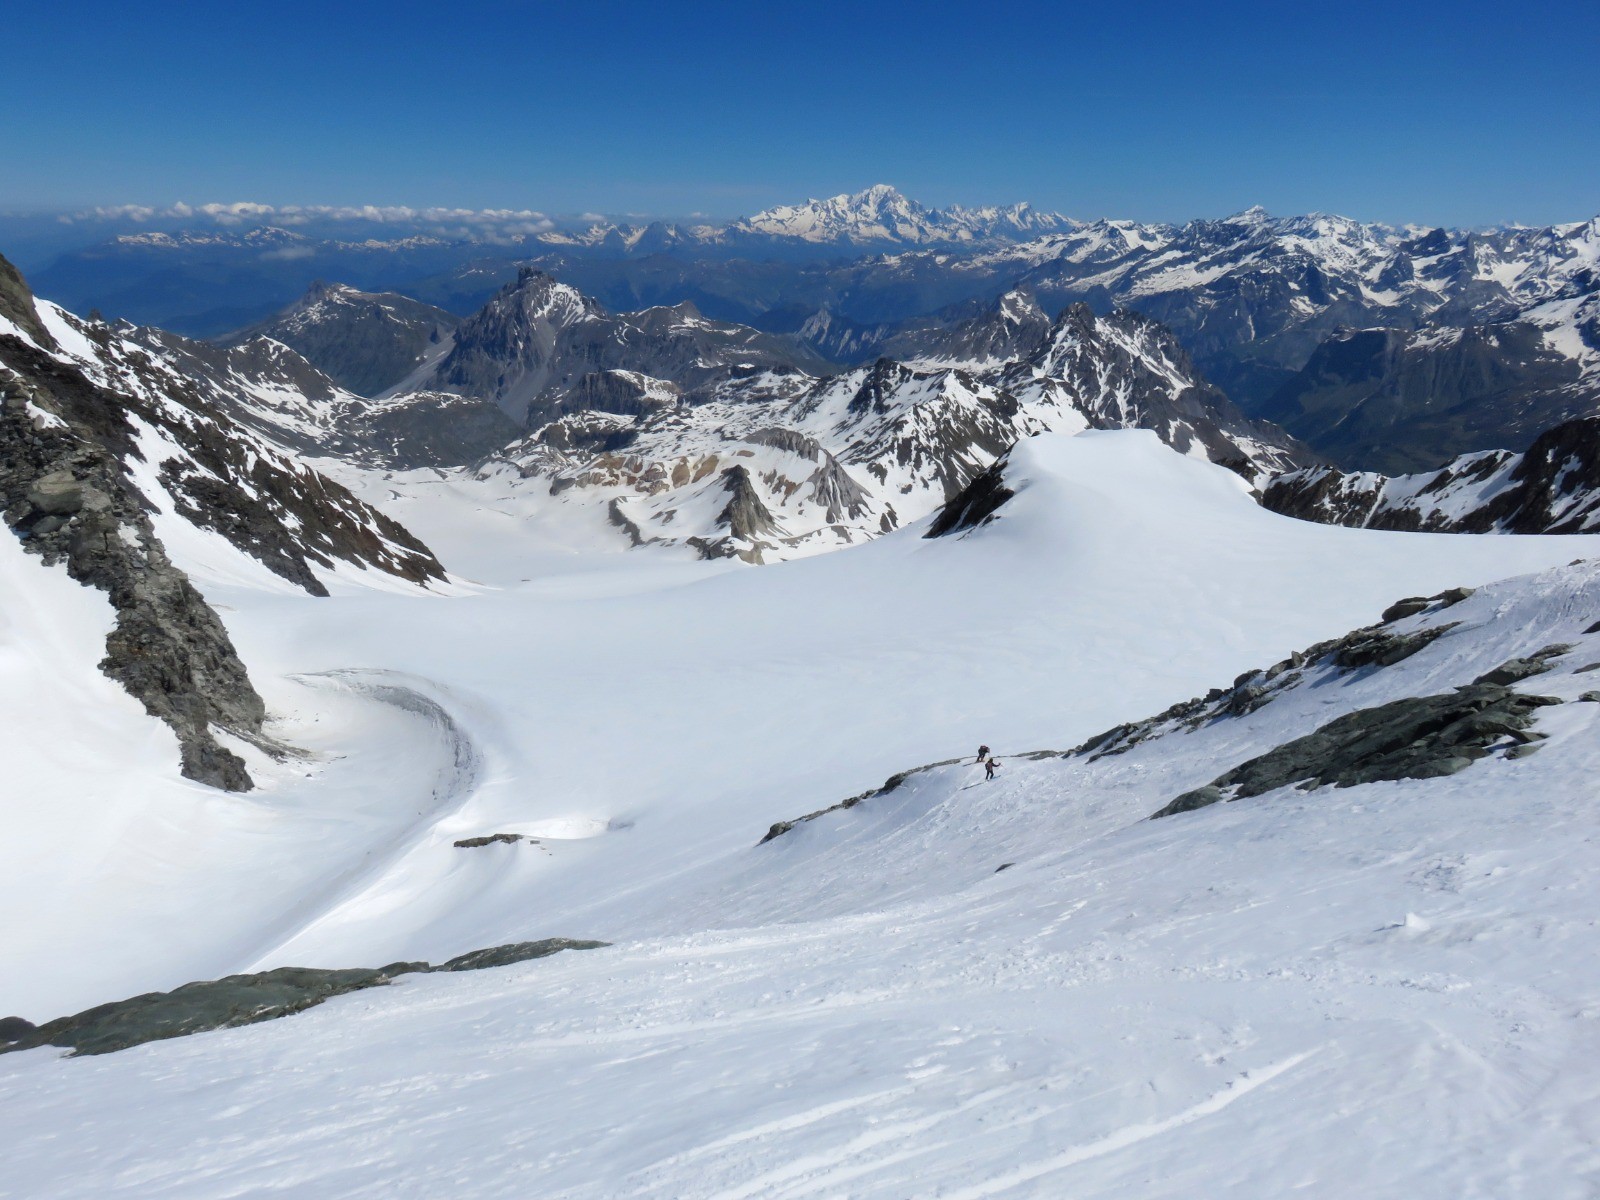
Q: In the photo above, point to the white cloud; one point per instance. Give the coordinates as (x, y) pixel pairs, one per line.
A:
(502, 224)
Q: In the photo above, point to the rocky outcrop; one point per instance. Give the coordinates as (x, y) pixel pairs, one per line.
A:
(241, 1000)
(975, 504)
(491, 839)
(891, 784)
(16, 306)
(286, 516)
(1368, 648)
(1419, 737)
(76, 431)
(65, 494)
(746, 520)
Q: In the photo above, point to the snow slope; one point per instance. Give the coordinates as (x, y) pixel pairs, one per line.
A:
(1383, 991)
(684, 707)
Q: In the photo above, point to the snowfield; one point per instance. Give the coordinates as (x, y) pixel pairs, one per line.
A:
(954, 989)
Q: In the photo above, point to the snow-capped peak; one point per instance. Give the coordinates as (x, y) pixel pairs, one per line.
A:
(881, 213)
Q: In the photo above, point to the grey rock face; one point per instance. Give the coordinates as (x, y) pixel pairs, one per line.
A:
(745, 518)
(1399, 401)
(1420, 737)
(530, 349)
(515, 952)
(1384, 648)
(1514, 670)
(16, 305)
(491, 839)
(365, 341)
(64, 493)
(284, 515)
(240, 1000)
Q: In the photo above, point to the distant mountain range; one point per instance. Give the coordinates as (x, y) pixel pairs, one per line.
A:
(1381, 348)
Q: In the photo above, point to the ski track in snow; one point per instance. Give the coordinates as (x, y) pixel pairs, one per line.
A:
(1238, 1087)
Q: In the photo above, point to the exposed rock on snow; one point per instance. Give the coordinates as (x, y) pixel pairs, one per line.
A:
(889, 785)
(489, 839)
(166, 430)
(1420, 737)
(241, 1000)
(1552, 487)
(975, 504)
(1514, 670)
(64, 491)
(96, 439)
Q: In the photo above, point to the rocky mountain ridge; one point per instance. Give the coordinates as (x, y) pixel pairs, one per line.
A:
(1552, 487)
(1398, 400)
(766, 465)
(102, 446)
(537, 341)
(365, 342)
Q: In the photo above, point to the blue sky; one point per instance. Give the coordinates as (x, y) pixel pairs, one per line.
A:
(1464, 113)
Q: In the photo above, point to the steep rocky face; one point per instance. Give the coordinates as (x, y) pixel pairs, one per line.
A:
(17, 307)
(975, 504)
(65, 493)
(269, 388)
(1552, 487)
(1393, 400)
(366, 342)
(98, 440)
(508, 352)
(531, 348)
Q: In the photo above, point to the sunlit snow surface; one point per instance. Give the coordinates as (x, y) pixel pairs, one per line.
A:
(1383, 991)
